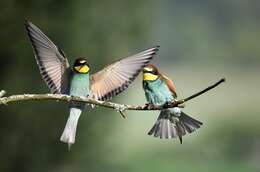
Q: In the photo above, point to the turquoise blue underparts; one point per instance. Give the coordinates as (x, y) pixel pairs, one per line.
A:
(158, 93)
(79, 86)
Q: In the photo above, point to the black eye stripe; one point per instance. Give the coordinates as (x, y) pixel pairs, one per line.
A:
(80, 64)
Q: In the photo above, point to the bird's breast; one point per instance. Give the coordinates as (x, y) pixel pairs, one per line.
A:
(79, 85)
(157, 92)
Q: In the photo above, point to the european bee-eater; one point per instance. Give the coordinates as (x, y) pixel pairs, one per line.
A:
(76, 81)
(160, 90)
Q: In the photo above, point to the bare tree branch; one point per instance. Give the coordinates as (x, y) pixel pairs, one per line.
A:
(205, 90)
(118, 107)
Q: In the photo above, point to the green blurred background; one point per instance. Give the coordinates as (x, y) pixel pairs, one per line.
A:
(201, 41)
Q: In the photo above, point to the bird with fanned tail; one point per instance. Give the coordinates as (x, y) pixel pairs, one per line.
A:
(76, 80)
(159, 90)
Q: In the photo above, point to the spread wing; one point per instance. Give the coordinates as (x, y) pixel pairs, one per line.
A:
(116, 77)
(53, 64)
(170, 85)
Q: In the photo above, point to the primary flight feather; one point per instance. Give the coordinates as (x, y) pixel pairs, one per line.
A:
(76, 80)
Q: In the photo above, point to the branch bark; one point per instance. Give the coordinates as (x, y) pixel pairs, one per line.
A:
(119, 107)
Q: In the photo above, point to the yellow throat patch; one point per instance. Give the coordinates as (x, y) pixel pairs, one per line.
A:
(82, 69)
(149, 77)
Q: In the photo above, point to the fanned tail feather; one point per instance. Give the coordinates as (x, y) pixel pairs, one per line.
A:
(169, 126)
(69, 133)
(188, 123)
(164, 127)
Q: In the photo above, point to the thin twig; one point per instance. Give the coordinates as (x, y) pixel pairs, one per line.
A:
(205, 90)
(119, 107)
(122, 114)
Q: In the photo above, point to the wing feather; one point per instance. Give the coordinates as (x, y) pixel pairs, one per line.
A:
(116, 77)
(170, 85)
(53, 64)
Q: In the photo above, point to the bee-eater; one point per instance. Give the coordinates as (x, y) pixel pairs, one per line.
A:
(159, 90)
(76, 81)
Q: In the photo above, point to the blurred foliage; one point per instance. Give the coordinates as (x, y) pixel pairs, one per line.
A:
(200, 42)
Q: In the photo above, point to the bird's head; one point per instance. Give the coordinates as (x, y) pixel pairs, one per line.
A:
(150, 73)
(81, 66)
